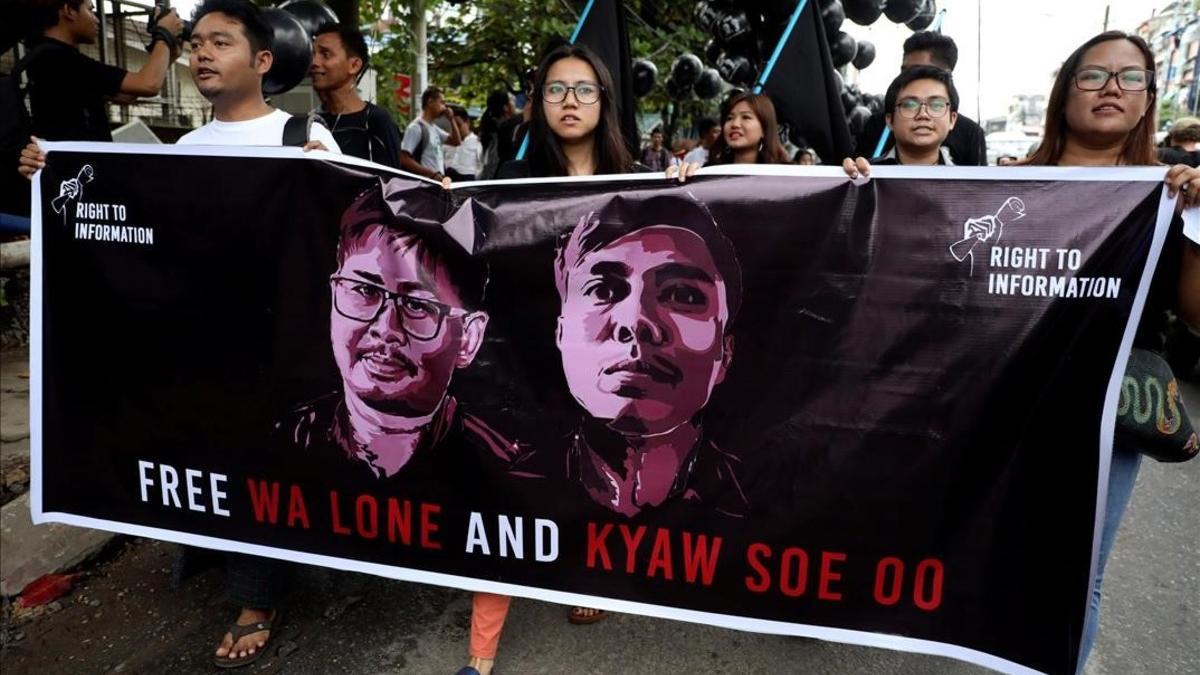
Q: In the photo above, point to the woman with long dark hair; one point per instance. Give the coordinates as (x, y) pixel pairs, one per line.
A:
(574, 131)
(1102, 113)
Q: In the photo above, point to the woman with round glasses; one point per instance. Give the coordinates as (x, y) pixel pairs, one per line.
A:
(1101, 112)
(922, 107)
(574, 130)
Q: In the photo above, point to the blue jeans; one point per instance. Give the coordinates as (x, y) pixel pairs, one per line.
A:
(1121, 477)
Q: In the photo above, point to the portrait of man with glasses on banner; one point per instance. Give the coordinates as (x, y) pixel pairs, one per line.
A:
(405, 315)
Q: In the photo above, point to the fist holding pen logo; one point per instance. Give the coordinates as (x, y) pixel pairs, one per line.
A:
(986, 229)
(72, 188)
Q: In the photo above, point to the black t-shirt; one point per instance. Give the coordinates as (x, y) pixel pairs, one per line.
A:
(67, 92)
(369, 134)
(522, 168)
(966, 141)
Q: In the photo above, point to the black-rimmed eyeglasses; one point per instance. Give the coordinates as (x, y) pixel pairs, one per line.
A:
(420, 318)
(586, 93)
(1130, 79)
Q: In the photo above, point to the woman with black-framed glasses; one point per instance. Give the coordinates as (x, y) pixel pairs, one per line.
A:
(574, 129)
(1101, 112)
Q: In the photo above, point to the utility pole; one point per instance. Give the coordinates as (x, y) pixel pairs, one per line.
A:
(420, 53)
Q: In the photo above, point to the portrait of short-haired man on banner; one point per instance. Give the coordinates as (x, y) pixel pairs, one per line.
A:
(649, 290)
(405, 315)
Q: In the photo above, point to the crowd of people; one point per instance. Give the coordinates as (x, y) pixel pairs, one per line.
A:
(1101, 112)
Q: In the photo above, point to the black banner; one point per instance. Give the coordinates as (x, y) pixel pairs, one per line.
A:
(771, 400)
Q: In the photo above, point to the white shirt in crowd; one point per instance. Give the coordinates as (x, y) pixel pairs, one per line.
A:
(467, 158)
(265, 130)
(431, 155)
(698, 155)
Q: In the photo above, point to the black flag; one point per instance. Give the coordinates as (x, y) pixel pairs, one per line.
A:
(803, 84)
(602, 28)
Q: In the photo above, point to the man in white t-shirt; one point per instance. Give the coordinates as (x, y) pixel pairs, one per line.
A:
(710, 131)
(465, 161)
(231, 52)
(421, 147)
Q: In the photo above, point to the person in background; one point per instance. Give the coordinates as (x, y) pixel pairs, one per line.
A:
(749, 133)
(710, 131)
(1006, 160)
(805, 157)
(656, 156)
(922, 105)
(68, 91)
(499, 108)
(362, 129)
(1183, 143)
(421, 148)
(465, 161)
(967, 143)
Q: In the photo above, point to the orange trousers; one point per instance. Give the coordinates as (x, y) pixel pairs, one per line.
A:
(488, 611)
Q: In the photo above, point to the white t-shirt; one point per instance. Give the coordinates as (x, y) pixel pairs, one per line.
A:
(698, 155)
(265, 130)
(467, 158)
(431, 155)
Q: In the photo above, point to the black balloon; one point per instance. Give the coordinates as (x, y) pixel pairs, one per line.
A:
(292, 49)
(311, 14)
(645, 73)
(712, 51)
(863, 12)
(736, 70)
(686, 69)
(865, 55)
(901, 11)
(709, 84)
(734, 28)
(842, 48)
(677, 91)
(858, 119)
(706, 16)
(833, 16)
(925, 17)
(849, 101)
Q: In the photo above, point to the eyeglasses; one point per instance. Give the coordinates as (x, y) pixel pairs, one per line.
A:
(1130, 79)
(586, 93)
(910, 107)
(421, 319)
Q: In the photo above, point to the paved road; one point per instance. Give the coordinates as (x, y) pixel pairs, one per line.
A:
(126, 617)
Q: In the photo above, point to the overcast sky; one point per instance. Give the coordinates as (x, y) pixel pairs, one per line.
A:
(1023, 42)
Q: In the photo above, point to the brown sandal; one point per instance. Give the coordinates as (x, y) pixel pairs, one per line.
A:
(579, 619)
(238, 632)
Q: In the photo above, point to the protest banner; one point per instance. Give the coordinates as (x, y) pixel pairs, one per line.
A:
(768, 399)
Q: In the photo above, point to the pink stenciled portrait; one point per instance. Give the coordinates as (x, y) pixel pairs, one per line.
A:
(404, 314)
(648, 292)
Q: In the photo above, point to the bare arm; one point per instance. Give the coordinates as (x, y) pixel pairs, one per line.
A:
(149, 80)
(407, 163)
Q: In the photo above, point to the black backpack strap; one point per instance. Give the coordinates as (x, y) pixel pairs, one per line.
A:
(297, 131)
(420, 149)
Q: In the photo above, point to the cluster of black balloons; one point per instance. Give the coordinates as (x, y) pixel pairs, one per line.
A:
(916, 14)
(293, 23)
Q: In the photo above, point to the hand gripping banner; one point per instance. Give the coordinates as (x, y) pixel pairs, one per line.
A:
(766, 399)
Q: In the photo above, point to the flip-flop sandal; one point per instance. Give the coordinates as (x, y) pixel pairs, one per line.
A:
(584, 619)
(238, 632)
